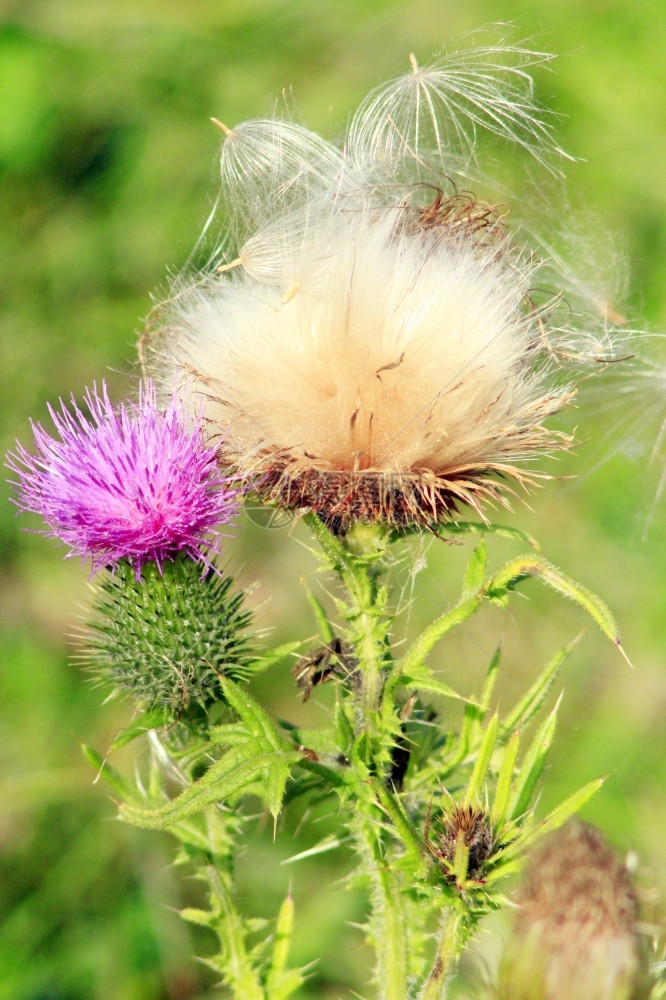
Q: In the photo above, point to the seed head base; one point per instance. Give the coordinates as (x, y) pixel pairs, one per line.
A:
(342, 497)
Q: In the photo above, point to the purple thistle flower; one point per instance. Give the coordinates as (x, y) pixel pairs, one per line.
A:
(129, 482)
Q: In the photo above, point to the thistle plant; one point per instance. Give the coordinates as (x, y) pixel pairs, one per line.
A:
(368, 351)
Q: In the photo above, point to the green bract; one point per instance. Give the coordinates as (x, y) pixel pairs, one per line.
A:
(169, 638)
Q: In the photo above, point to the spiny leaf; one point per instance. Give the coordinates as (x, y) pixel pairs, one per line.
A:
(422, 680)
(532, 765)
(415, 656)
(555, 819)
(530, 704)
(336, 554)
(258, 721)
(475, 787)
(411, 840)
(337, 778)
(203, 918)
(231, 734)
(475, 574)
(344, 730)
(477, 527)
(329, 843)
(272, 656)
(155, 719)
(526, 566)
(489, 683)
(505, 780)
(325, 627)
(471, 722)
(571, 805)
(282, 981)
(277, 776)
(106, 771)
(234, 962)
(238, 769)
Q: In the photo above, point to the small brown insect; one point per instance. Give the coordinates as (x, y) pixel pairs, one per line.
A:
(333, 659)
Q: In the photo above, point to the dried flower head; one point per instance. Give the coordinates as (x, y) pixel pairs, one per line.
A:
(575, 933)
(370, 348)
(468, 829)
(130, 482)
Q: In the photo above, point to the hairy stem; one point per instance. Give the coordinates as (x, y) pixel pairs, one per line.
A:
(357, 562)
(388, 931)
(453, 933)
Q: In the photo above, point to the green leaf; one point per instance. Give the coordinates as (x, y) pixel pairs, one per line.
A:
(555, 819)
(533, 765)
(344, 730)
(234, 962)
(423, 680)
(413, 859)
(530, 704)
(414, 658)
(329, 843)
(155, 719)
(277, 777)
(238, 769)
(489, 683)
(288, 982)
(231, 734)
(335, 777)
(475, 787)
(321, 617)
(477, 527)
(461, 861)
(337, 555)
(471, 723)
(258, 722)
(281, 981)
(569, 807)
(272, 656)
(505, 780)
(104, 770)
(475, 574)
(526, 566)
(203, 918)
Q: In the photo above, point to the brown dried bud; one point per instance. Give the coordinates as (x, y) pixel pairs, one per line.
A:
(575, 934)
(468, 827)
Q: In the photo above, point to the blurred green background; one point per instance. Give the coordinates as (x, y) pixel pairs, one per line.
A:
(108, 172)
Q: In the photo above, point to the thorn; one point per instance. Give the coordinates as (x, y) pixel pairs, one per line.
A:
(227, 131)
(618, 643)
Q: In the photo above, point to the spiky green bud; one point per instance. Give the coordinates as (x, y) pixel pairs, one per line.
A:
(166, 639)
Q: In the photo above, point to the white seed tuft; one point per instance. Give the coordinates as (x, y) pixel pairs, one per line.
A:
(370, 345)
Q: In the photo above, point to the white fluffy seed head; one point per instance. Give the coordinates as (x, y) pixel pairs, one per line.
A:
(372, 348)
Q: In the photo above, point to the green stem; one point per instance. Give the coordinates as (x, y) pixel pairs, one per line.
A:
(356, 562)
(388, 924)
(454, 931)
(368, 633)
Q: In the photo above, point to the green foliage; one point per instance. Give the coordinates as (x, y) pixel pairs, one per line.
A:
(257, 758)
(414, 862)
(259, 971)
